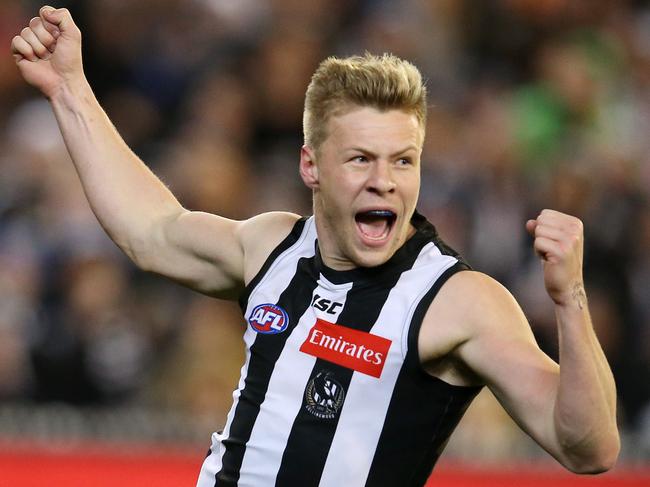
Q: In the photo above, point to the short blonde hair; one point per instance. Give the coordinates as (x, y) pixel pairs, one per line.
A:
(383, 82)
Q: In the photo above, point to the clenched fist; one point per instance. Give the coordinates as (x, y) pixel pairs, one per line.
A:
(48, 51)
(559, 242)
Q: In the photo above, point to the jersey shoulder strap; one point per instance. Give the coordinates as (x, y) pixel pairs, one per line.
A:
(296, 237)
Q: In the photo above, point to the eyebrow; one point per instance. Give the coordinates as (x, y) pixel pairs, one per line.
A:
(371, 153)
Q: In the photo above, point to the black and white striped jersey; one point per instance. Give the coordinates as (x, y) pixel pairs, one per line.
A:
(332, 393)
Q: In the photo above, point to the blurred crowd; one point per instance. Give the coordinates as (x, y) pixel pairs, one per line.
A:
(533, 104)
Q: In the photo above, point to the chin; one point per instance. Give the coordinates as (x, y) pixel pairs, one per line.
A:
(373, 258)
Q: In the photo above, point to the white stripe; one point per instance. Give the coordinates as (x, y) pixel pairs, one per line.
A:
(366, 404)
(285, 395)
(281, 270)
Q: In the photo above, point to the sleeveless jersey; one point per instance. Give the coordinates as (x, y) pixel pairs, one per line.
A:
(332, 392)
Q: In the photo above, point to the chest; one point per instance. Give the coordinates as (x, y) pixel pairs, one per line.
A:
(353, 328)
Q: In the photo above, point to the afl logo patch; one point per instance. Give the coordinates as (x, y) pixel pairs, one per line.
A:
(324, 396)
(269, 319)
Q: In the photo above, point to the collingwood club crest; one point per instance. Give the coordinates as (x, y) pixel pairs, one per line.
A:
(324, 396)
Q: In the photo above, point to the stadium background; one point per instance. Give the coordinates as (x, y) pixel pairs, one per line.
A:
(534, 103)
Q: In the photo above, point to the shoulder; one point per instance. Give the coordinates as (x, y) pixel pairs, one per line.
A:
(469, 295)
(470, 310)
(272, 224)
(478, 293)
(261, 234)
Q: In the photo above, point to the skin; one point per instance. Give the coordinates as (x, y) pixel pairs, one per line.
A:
(473, 333)
(570, 410)
(370, 160)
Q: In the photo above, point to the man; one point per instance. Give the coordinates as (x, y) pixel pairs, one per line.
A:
(367, 336)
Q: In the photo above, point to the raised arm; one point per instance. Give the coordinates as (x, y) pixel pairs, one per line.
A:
(206, 252)
(584, 412)
(570, 409)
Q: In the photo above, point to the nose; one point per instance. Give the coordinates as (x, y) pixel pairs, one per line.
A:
(380, 179)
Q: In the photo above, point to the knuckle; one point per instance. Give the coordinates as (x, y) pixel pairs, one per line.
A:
(574, 228)
(40, 50)
(579, 225)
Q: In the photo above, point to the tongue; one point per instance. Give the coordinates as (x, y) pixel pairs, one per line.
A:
(373, 227)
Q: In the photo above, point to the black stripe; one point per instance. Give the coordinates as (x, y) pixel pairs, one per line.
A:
(288, 241)
(429, 410)
(413, 356)
(311, 437)
(423, 409)
(264, 353)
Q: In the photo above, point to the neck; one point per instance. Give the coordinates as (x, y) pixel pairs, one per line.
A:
(330, 252)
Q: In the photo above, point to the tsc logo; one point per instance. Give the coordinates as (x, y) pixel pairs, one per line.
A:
(354, 349)
(323, 304)
(269, 319)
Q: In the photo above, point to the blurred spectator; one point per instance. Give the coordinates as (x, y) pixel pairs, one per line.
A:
(533, 104)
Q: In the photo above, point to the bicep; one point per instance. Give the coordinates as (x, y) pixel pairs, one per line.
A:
(201, 251)
(502, 351)
(212, 254)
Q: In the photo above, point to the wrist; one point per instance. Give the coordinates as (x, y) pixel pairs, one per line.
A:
(72, 97)
(574, 297)
(70, 92)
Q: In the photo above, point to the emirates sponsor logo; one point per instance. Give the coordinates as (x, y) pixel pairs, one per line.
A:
(354, 349)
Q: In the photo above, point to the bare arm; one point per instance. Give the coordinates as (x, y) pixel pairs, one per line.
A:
(203, 251)
(570, 409)
(586, 381)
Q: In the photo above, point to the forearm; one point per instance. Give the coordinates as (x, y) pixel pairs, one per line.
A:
(127, 198)
(585, 407)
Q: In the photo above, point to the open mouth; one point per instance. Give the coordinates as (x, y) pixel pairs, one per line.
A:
(375, 224)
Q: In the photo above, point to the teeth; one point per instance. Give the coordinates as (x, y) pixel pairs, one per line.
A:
(380, 213)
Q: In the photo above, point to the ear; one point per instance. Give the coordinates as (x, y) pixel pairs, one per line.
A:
(308, 167)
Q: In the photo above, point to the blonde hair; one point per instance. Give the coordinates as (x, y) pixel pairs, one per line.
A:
(382, 82)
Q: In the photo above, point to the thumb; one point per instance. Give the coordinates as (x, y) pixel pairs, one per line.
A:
(60, 17)
(530, 227)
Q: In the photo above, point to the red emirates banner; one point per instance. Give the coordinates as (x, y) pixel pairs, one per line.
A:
(354, 349)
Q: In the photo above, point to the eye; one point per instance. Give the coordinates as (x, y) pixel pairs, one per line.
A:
(359, 158)
(404, 161)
